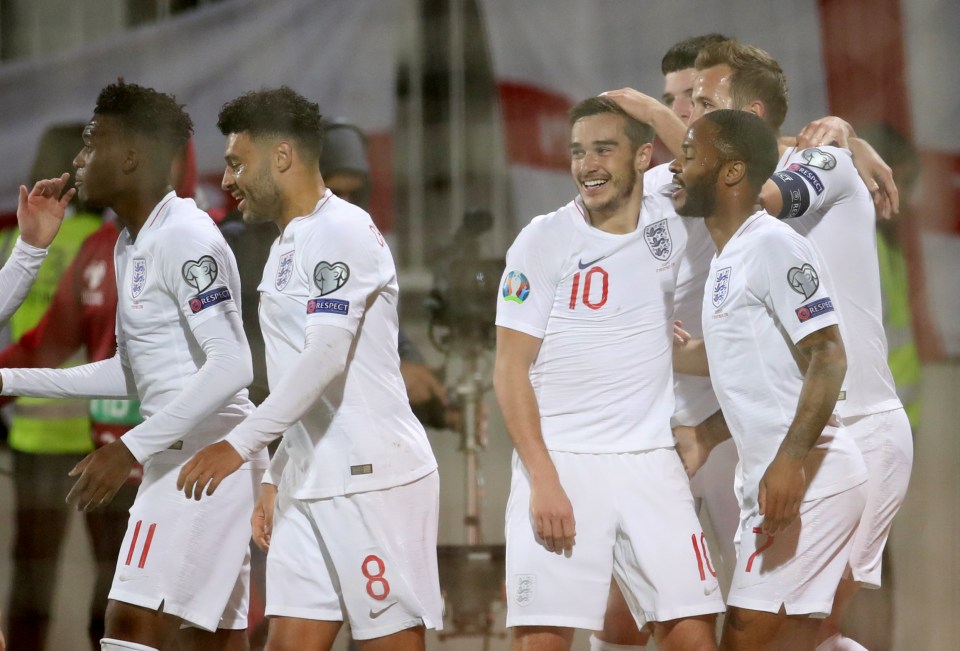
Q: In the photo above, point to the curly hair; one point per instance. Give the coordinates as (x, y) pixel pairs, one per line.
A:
(639, 133)
(275, 112)
(146, 112)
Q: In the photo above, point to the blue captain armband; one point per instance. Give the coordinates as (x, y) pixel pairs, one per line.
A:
(795, 193)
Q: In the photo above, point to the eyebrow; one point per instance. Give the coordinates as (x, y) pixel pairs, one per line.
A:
(595, 143)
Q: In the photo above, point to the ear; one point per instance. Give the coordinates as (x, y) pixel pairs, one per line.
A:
(641, 159)
(733, 172)
(758, 108)
(131, 161)
(283, 156)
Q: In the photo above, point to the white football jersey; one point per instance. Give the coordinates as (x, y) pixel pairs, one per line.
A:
(603, 305)
(826, 201)
(695, 400)
(656, 177)
(17, 276)
(178, 273)
(334, 267)
(766, 291)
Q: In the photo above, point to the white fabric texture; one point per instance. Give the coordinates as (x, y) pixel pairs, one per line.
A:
(839, 218)
(767, 290)
(349, 427)
(605, 362)
(17, 276)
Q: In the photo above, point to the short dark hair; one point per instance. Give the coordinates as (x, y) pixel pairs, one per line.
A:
(743, 136)
(639, 133)
(275, 112)
(683, 55)
(756, 76)
(146, 112)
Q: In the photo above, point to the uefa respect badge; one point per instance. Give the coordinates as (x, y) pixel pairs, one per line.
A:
(516, 287)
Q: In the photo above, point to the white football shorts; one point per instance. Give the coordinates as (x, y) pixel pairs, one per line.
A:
(799, 568)
(192, 558)
(635, 521)
(374, 552)
(886, 442)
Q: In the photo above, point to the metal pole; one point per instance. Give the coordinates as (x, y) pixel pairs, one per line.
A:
(457, 113)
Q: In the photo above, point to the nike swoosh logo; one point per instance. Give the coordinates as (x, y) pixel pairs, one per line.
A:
(590, 264)
(124, 579)
(376, 613)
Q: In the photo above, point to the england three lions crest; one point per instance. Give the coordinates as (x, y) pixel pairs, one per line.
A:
(284, 271)
(658, 239)
(139, 279)
(721, 286)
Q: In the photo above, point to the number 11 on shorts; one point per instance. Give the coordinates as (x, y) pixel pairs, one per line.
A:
(373, 569)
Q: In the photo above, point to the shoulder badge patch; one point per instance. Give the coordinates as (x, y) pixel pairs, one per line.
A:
(804, 280)
(516, 287)
(818, 158)
(814, 309)
(200, 274)
(139, 279)
(329, 277)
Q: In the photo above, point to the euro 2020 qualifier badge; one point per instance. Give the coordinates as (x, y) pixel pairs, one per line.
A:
(516, 287)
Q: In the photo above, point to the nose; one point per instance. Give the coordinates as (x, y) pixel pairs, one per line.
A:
(227, 182)
(696, 112)
(682, 107)
(78, 160)
(675, 166)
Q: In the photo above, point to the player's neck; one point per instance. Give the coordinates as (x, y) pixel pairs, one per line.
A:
(621, 219)
(300, 200)
(134, 209)
(727, 219)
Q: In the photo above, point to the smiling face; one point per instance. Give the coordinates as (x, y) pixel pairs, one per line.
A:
(711, 91)
(603, 163)
(696, 173)
(99, 164)
(248, 178)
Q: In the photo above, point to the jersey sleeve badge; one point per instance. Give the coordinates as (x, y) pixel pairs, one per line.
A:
(330, 277)
(516, 287)
(200, 274)
(804, 280)
(818, 158)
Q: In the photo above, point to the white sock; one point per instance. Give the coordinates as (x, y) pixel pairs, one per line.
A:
(599, 645)
(108, 644)
(837, 642)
